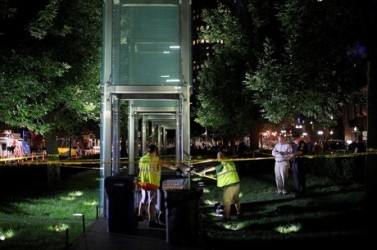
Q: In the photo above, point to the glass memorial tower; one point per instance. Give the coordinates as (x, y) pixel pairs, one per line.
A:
(146, 62)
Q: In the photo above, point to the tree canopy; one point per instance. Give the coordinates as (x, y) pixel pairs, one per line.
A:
(220, 104)
(224, 107)
(50, 64)
(298, 59)
(321, 68)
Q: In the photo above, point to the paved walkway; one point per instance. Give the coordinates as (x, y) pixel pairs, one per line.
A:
(97, 238)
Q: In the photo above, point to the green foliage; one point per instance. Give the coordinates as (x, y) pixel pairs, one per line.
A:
(302, 59)
(348, 168)
(224, 30)
(44, 21)
(50, 65)
(223, 108)
(220, 99)
(315, 60)
(275, 110)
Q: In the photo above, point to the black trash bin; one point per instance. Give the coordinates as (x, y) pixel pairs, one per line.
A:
(122, 207)
(168, 182)
(182, 216)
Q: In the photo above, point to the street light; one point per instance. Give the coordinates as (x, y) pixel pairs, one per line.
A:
(357, 132)
(320, 134)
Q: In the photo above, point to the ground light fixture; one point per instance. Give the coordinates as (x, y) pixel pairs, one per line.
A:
(291, 228)
(83, 220)
(6, 234)
(234, 225)
(58, 227)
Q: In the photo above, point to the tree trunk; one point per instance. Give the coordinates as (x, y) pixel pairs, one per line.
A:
(233, 146)
(52, 155)
(369, 26)
(371, 158)
(254, 137)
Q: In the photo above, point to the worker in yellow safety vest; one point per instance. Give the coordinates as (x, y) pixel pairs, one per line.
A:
(149, 182)
(229, 181)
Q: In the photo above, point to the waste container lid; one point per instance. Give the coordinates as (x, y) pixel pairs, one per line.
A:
(117, 182)
(175, 184)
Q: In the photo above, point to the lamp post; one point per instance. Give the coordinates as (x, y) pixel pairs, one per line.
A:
(320, 134)
(357, 132)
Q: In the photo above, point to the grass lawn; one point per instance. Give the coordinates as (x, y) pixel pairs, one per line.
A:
(331, 211)
(35, 215)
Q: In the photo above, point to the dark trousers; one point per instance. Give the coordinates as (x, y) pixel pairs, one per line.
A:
(298, 172)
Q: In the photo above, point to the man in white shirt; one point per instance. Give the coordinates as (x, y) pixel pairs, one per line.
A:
(282, 152)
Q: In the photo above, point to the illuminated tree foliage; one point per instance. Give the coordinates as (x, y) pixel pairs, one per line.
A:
(50, 64)
(298, 59)
(224, 109)
(321, 67)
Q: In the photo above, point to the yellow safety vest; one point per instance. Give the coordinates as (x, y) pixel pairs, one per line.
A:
(149, 171)
(228, 174)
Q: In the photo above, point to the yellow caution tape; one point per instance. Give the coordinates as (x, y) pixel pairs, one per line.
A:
(44, 159)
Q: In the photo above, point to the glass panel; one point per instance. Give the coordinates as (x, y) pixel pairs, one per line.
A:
(148, 45)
